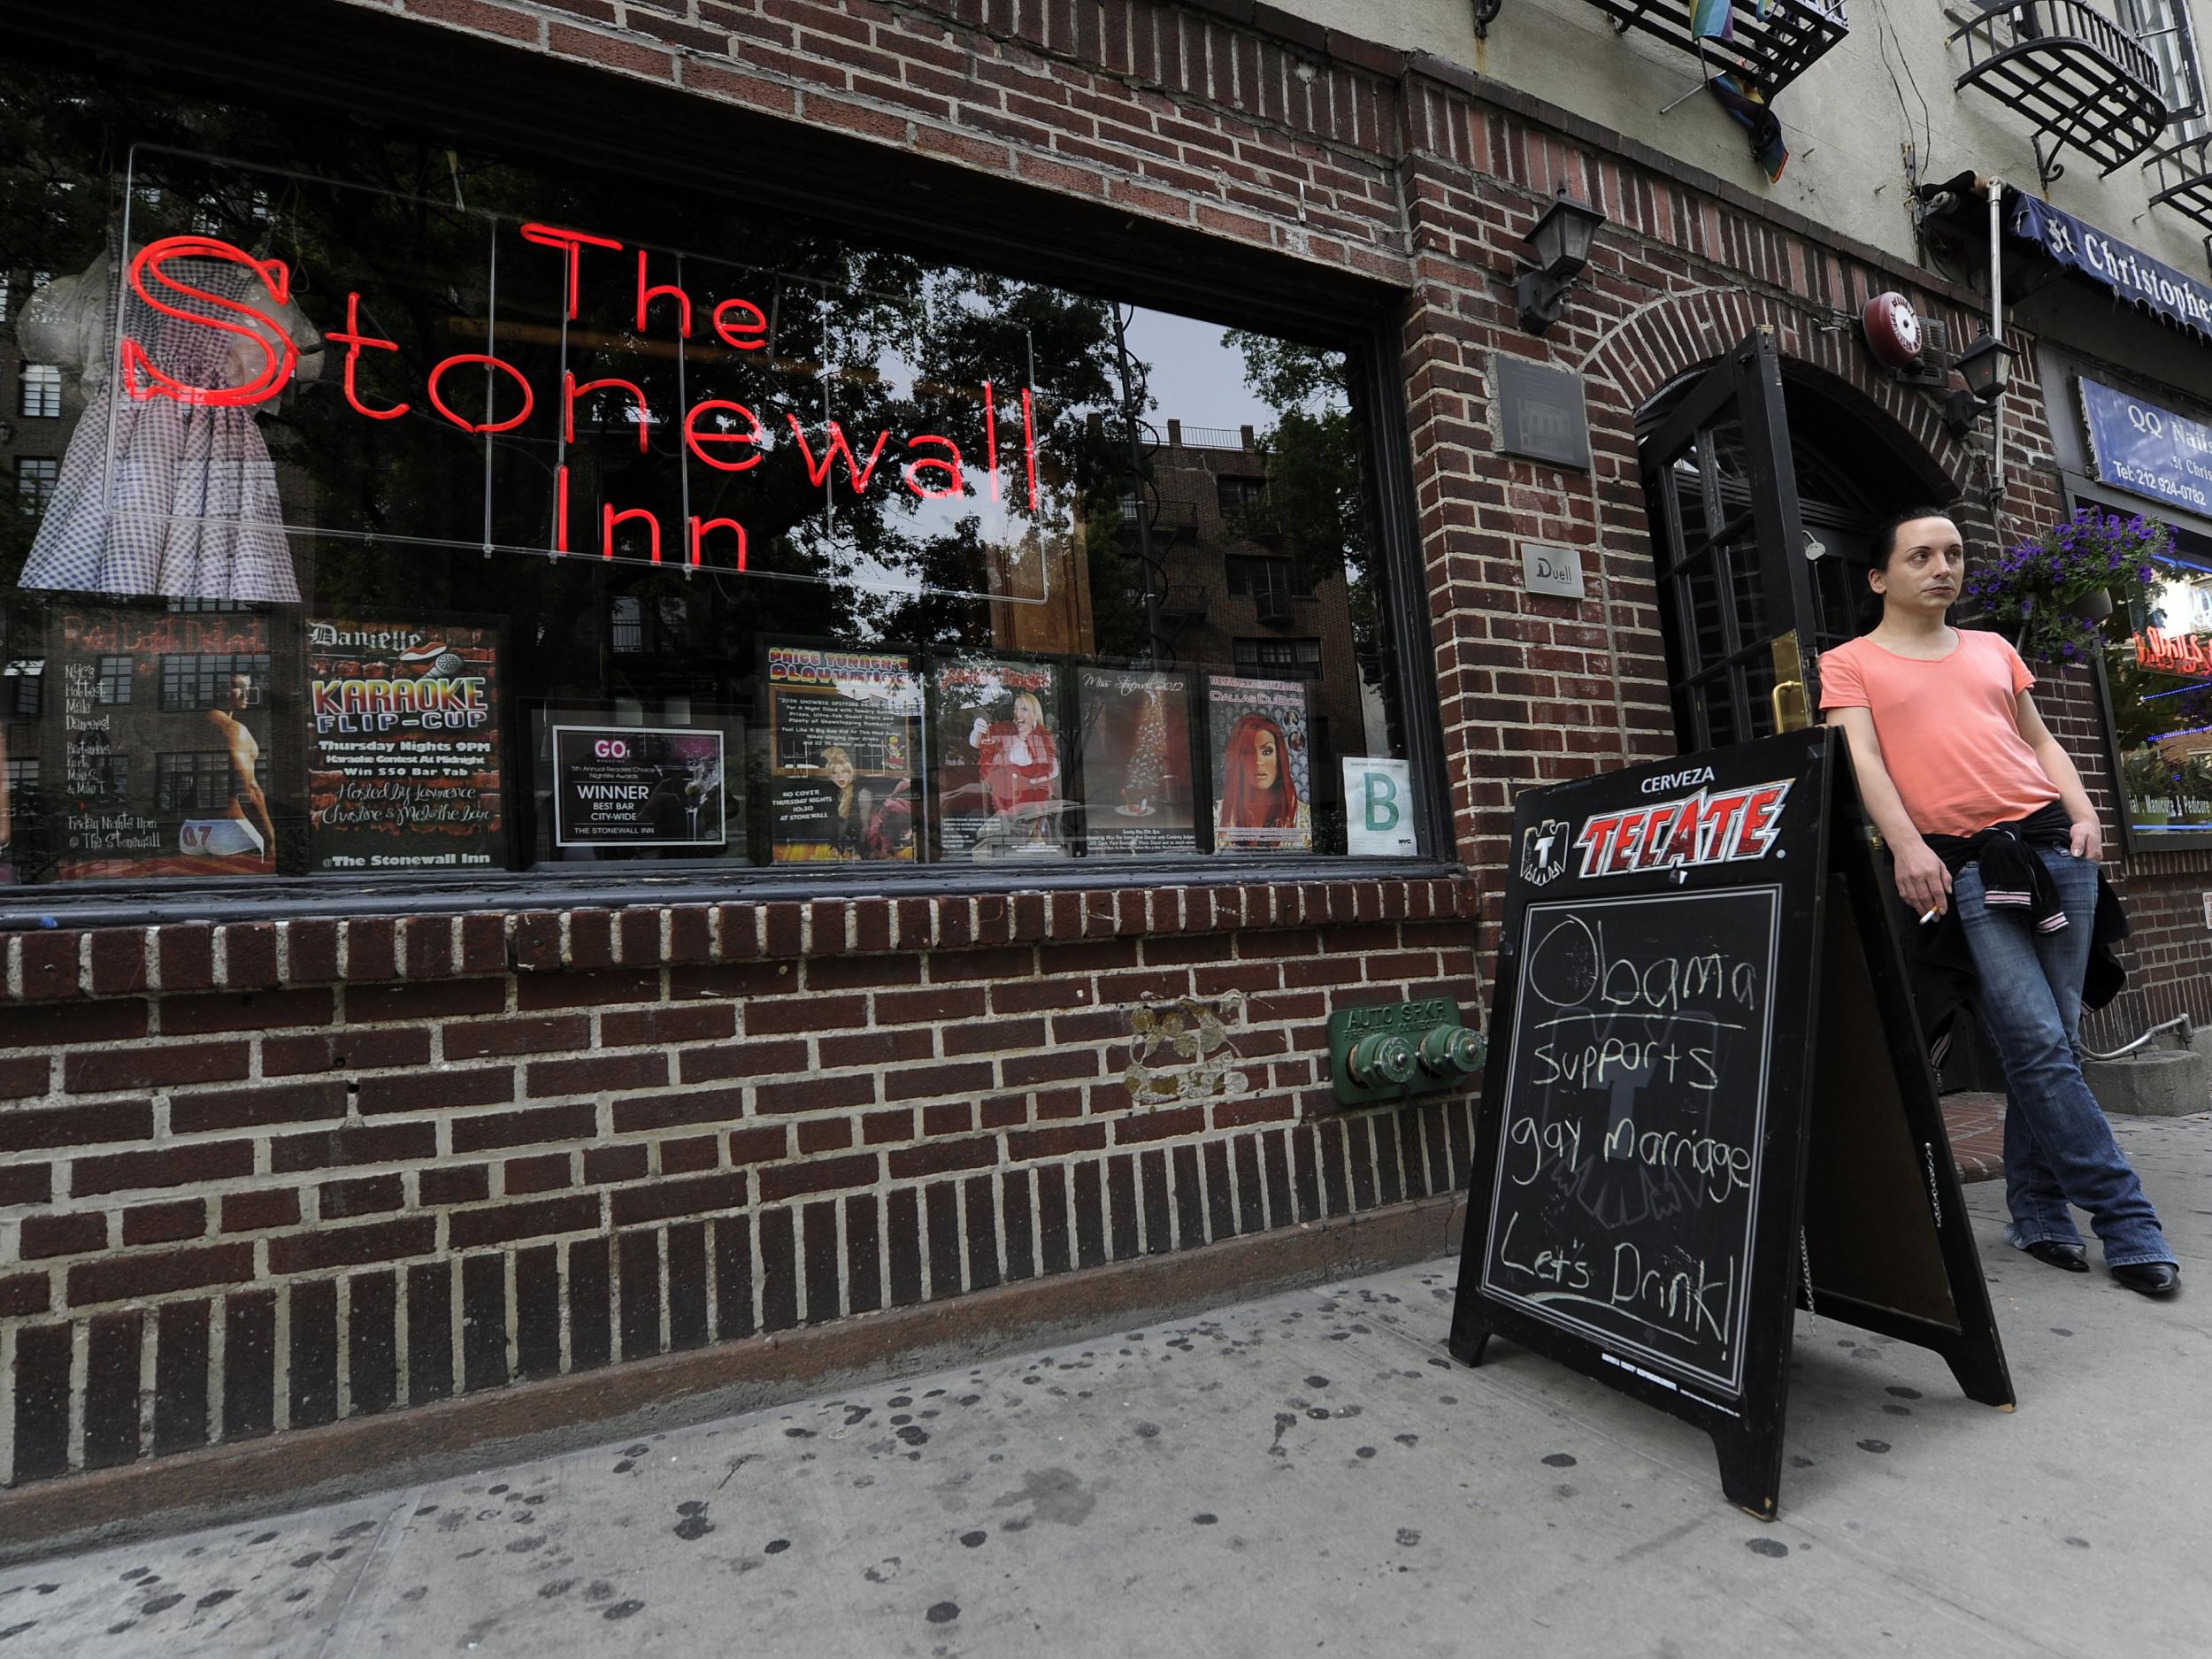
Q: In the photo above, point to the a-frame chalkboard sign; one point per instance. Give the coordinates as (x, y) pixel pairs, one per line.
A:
(1707, 1104)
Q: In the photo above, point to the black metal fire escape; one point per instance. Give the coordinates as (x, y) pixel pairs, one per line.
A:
(1769, 47)
(2082, 81)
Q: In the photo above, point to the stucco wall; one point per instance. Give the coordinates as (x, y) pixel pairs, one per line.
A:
(1846, 119)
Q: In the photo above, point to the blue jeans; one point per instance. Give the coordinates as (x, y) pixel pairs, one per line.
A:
(2059, 1149)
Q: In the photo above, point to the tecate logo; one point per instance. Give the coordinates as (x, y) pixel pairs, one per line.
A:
(1698, 829)
(1667, 781)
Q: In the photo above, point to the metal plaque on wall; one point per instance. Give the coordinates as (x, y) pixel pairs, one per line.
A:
(1541, 413)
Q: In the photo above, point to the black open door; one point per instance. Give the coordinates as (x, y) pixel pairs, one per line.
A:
(1736, 599)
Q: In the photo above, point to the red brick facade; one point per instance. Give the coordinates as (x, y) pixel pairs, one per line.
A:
(261, 1177)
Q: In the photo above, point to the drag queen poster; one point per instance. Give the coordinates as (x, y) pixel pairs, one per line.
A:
(1262, 766)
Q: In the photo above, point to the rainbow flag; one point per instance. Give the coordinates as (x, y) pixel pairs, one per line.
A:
(1749, 105)
(1713, 19)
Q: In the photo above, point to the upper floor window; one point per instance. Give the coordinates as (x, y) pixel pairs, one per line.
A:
(41, 391)
(2164, 26)
(1273, 581)
(1239, 496)
(36, 478)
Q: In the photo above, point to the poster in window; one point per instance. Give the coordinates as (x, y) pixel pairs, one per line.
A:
(643, 788)
(164, 737)
(403, 764)
(1133, 729)
(1001, 787)
(2160, 675)
(1263, 767)
(842, 727)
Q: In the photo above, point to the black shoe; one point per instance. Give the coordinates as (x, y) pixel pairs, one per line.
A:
(2150, 1278)
(2068, 1258)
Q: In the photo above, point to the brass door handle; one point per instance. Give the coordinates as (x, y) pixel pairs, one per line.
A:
(1782, 722)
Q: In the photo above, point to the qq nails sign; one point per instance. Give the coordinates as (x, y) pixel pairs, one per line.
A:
(717, 433)
(1700, 828)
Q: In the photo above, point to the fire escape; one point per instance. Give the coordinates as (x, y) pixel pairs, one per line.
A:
(2080, 80)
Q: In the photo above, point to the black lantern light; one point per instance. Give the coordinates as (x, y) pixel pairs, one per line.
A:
(1986, 366)
(1562, 240)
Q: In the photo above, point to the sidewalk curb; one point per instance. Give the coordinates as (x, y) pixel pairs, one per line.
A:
(529, 1421)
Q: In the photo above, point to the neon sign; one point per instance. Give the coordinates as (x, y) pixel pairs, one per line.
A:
(717, 433)
(2173, 653)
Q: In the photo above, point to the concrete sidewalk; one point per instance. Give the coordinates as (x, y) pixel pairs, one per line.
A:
(1305, 1473)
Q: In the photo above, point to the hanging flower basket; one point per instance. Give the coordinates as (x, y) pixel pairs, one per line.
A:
(2053, 592)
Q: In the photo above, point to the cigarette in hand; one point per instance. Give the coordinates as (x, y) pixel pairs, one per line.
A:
(1934, 910)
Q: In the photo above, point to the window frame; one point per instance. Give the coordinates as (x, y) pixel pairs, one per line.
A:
(2082, 491)
(2188, 119)
(43, 382)
(910, 204)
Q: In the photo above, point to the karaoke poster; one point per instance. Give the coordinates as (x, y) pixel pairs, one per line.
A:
(1263, 789)
(403, 745)
(1134, 725)
(841, 732)
(1001, 793)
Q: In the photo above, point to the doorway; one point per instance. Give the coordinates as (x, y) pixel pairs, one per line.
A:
(1764, 488)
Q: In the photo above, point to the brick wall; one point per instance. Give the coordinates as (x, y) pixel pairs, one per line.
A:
(273, 1185)
(264, 1176)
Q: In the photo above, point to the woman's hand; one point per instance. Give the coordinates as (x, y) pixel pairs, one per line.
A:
(2087, 841)
(1921, 881)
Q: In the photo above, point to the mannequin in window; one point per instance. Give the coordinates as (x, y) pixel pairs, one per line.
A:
(191, 510)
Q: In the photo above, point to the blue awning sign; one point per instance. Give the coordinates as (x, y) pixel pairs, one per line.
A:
(2130, 273)
(2148, 450)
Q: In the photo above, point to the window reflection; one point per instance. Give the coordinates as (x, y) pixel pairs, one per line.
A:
(418, 512)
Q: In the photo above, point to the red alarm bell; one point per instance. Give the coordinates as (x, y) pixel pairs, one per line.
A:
(1893, 330)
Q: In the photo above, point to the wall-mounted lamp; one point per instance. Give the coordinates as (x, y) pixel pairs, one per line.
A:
(1986, 366)
(1562, 240)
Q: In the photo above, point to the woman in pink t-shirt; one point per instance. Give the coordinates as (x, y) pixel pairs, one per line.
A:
(1987, 822)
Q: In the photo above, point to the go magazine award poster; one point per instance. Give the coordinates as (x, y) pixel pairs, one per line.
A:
(403, 768)
(1134, 726)
(841, 731)
(1001, 790)
(1263, 784)
(638, 787)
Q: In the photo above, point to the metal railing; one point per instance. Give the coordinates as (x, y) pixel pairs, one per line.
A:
(2085, 82)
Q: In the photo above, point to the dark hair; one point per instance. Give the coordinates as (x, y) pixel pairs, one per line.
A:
(1884, 544)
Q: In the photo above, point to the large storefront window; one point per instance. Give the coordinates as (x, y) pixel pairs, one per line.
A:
(410, 511)
(2160, 679)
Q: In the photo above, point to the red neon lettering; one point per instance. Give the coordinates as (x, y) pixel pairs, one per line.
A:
(143, 381)
(818, 474)
(646, 295)
(354, 339)
(571, 392)
(529, 398)
(699, 529)
(731, 334)
(560, 509)
(696, 441)
(1029, 447)
(575, 241)
(990, 436)
(610, 516)
(1596, 835)
(955, 484)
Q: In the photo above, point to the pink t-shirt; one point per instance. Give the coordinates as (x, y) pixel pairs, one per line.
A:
(1949, 729)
